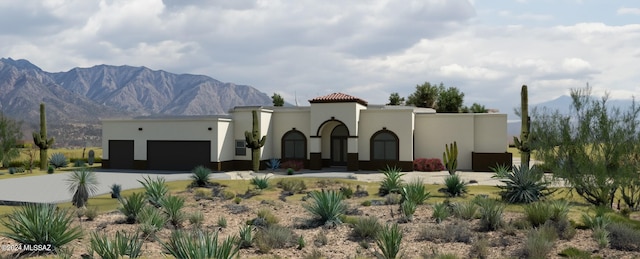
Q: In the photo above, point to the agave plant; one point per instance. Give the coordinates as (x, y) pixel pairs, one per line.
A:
(131, 206)
(152, 220)
(416, 192)
(82, 183)
(172, 206)
(58, 160)
(524, 185)
(327, 205)
(155, 190)
(37, 224)
(391, 182)
(260, 182)
(200, 244)
(200, 176)
(454, 186)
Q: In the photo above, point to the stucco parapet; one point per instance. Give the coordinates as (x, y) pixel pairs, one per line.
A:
(169, 118)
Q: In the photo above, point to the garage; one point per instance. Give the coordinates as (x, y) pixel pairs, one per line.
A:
(121, 154)
(177, 155)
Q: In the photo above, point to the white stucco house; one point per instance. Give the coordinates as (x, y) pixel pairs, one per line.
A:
(336, 130)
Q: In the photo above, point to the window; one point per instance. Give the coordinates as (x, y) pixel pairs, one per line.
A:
(294, 145)
(241, 149)
(384, 146)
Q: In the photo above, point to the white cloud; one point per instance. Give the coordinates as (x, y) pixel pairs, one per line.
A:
(626, 10)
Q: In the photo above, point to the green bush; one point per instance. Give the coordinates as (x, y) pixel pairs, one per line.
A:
(366, 227)
(37, 224)
(623, 237)
(537, 213)
(524, 185)
(454, 186)
(58, 160)
(246, 236)
(265, 218)
(389, 241)
(200, 244)
(601, 236)
(172, 207)
(416, 192)
(392, 182)
(122, 245)
(347, 191)
(51, 169)
(490, 213)
(131, 206)
(539, 242)
(440, 212)
(155, 190)
(327, 205)
(292, 185)
(200, 176)
(260, 182)
(465, 210)
(274, 236)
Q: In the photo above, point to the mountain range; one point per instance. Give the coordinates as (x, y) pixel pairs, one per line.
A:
(81, 97)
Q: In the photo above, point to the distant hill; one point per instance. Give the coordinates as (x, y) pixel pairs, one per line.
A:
(80, 97)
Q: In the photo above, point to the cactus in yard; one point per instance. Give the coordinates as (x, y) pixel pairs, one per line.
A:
(523, 144)
(254, 142)
(92, 157)
(40, 139)
(450, 157)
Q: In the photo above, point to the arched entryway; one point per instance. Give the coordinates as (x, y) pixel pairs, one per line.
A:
(339, 145)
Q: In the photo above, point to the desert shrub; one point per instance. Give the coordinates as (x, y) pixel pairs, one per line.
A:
(274, 236)
(246, 236)
(327, 205)
(172, 207)
(599, 220)
(58, 160)
(454, 186)
(200, 176)
(315, 254)
(152, 220)
(78, 163)
(415, 191)
(408, 208)
(222, 222)
(553, 213)
(91, 213)
(623, 237)
(601, 236)
(392, 182)
(465, 210)
(575, 253)
(428, 165)
(200, 244)
(115, 190)
(155, 190)
(440, 212)
(392, 198)
(539, 242)
(260, 182)
(524, 185)
(51, 169)
(292, 185)
(121, 245)
(537, 213)
(366, 227)
(131, 206)
(458, 231)
(347, 191)
(490, 213)
(265, 218)
(321, 239)
(196, 219)
(479, 249)
(37, 224)
(389, 241)
(301, 243)
(366, 203)
(296, 165)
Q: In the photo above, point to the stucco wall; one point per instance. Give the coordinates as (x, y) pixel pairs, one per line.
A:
(243, 121)
(490, 133)
(399, 121)
(348, 113)
(284, 120)
(434, 131)
(160, 129)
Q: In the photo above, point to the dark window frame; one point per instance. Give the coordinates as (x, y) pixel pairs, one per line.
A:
(297, 155)
(387, 143)
(241, 150)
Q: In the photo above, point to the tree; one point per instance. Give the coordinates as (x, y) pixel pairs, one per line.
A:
(82, 183)
(277, 100)
(477, 108)
(395, 99)
(450, 100)
(9, 135)
(592, 148)
(425, 95)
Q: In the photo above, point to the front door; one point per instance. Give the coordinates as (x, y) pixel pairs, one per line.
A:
(339, 137)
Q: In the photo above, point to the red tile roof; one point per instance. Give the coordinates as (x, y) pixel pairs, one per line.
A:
(338, 98)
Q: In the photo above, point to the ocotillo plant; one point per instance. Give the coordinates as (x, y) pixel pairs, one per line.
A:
(523, 144)
(40, 139)
(450, 157)
(254, 142)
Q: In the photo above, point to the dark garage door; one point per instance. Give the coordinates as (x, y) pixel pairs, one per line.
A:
(121, 154)
(178, 155)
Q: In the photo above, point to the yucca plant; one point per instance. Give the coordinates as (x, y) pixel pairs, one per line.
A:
(454, 186)
(598, 220)
(366, 227)
(524, 185)
(537, 213)
(196, 218)
(37, 224)
(172, 207)
(131, 206)
(121, 245)
(222, 222)
(440, 212)
(389, 241)
(327, 205)
(200, 244)
(392, 182)
(58, 160)
(260, 182)
(246, 236)
(82, 183)
(152, 220)
(416, 192)
(200, 176)
(408, 208)
(490, 213)
(155, 190)
(465, 210)
(539, 242)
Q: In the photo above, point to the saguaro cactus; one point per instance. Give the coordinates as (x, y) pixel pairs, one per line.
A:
(40, 139)
(450, 157)
(523, 143)
(254, 142)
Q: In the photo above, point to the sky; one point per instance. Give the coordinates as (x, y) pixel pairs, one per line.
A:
(302, 49)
